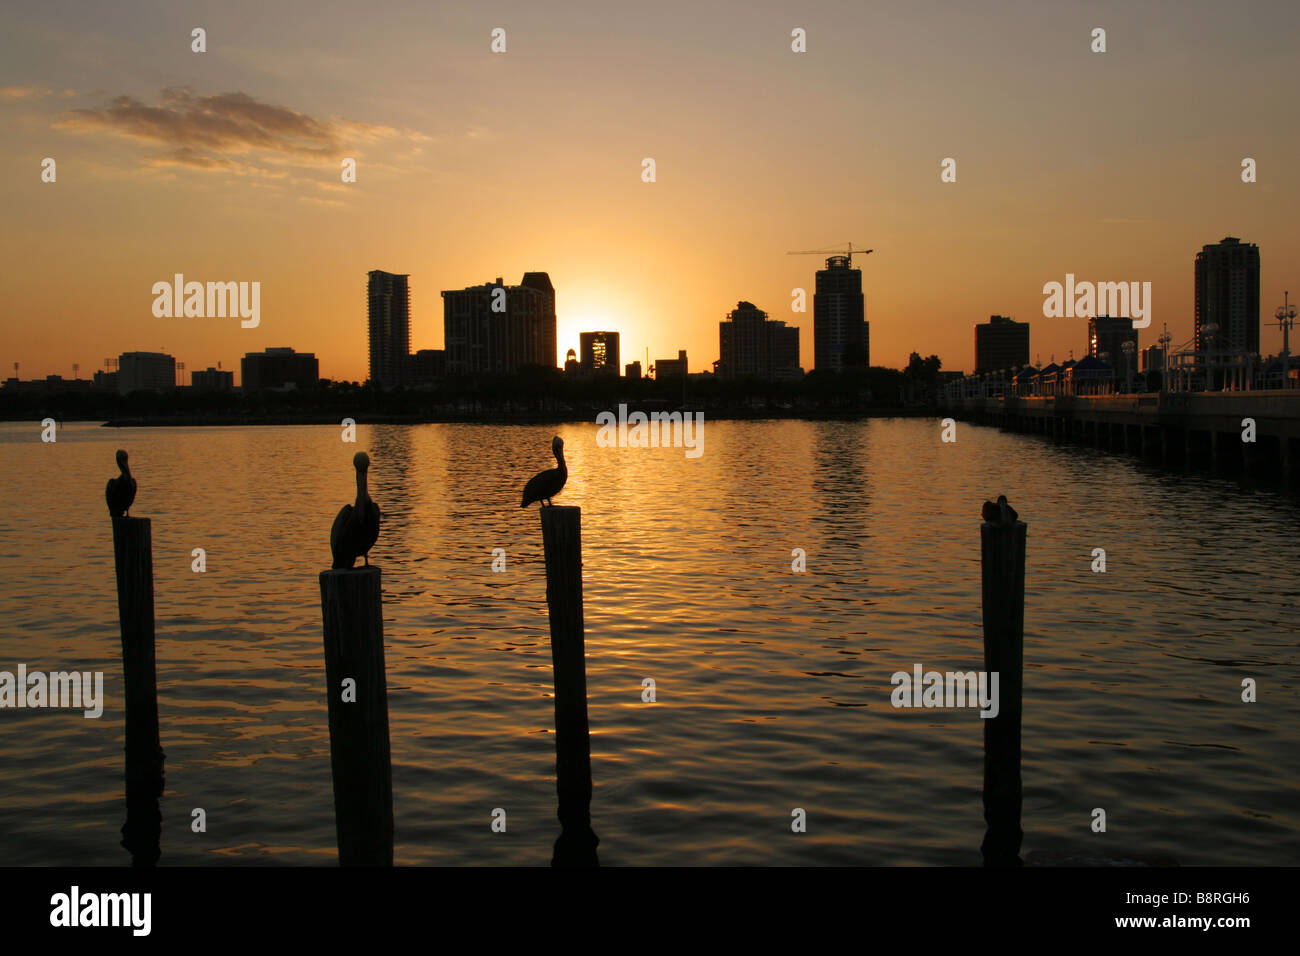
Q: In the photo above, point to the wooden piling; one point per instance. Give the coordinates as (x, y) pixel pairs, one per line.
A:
(1002, 548)
(133, 557)
(562, 543)
(352, 611)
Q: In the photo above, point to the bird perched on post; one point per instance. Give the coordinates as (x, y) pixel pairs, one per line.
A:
(546, 484)
(1000, 513)
(356, 529)
(120, 491)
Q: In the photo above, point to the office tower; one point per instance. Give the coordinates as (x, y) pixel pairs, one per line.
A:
(1000, 343)
(599, 353)
(1227, 295)
(498, 329)
(389, 298)
(751, 344)
(841, 334)
(145, 372)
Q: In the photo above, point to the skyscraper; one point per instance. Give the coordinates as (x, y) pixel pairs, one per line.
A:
(841, 334)
(497, 329)
(751, 344)
(599, 352)
(1000, 343)
(389, 300)
(1227, 295)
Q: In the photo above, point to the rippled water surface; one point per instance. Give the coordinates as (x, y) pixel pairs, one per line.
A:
(772, 687)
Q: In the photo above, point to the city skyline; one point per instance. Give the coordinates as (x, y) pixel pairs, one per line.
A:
(483, 343)
(226, 165)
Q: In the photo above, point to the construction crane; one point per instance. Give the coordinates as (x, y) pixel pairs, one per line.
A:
(835, 251)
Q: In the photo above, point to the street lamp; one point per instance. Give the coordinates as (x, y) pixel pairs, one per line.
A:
(1285, 315)
(1164, 341)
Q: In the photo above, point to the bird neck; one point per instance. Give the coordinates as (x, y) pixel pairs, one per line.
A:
(125, 469)
(559, 456)
(362, 495)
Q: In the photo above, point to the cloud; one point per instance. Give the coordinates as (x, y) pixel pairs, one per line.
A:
(24, 92)
(227, 132)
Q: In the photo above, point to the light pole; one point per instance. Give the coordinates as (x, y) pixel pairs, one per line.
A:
(1164, 341)
(1285, 319)
(1207, 333)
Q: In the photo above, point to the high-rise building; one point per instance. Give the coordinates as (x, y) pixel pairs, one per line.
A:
(599, 353)
(1000, 343)
(497, 329)
(1106, 338)
(389, 298)
(278, 369)
(1227, 295)
(145, 372)
(751, 344)
(633, 370)
(841, 334)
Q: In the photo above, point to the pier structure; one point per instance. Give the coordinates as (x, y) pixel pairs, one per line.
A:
(1199, 430)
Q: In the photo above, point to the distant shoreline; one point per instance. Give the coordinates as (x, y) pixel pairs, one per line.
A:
(226, 421)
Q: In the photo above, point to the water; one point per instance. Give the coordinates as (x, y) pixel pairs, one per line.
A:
(772, 687)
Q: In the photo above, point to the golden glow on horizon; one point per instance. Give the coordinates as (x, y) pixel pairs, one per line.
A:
(472, 166)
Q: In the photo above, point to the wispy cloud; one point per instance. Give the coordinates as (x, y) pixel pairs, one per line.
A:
(11, 93)
(24, 92)
(228, 132)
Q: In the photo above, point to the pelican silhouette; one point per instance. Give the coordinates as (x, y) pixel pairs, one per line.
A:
(1000, 513)
(120, 491)
(356, 529)
(546, 484)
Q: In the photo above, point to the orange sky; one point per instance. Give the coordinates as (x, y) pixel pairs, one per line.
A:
(224, 165)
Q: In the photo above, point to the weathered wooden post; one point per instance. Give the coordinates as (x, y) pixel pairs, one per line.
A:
(1002, 548)
(352, 609)
(562, 543)
(133, 556)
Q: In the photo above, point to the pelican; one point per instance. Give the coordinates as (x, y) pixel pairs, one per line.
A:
(356, 529)
(1000, 513)
(546, 484)
(120, 491)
